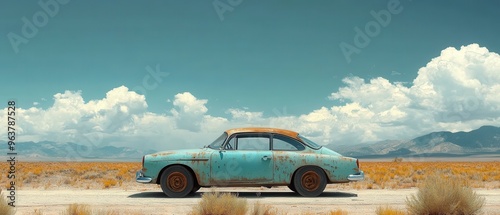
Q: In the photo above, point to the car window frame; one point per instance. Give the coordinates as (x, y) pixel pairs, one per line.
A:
(257, 134)
(225, 135)
(298, 141)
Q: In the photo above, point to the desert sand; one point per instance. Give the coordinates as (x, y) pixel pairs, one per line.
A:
(153, 201)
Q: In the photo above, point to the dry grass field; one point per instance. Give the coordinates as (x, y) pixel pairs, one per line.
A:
(379, 175)
(401, 175)
(79, 175)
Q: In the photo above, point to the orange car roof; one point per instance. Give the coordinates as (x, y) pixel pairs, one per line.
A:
(289, 133)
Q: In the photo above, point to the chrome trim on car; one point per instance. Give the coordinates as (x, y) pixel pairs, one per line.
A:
(356, 177)
(139, 177)
(193, 159)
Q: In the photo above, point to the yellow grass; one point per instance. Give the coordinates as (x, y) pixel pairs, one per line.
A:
(402, 174)
(439, 195)
(78, 209)
(338, 212)
(262, 209)
(387, 210)
(379, 175)
(85, 175)
(83, 209)
(215, 203)
(5, 209)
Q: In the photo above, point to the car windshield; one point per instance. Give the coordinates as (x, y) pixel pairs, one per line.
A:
(218, 142)
(309, 142)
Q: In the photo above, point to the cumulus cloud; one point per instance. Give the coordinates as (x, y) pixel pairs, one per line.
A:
(238, 114)
(457, 90)
(70, 118)
(189, 111)
(454, 91)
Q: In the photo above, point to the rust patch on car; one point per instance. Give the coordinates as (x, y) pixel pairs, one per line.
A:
(198, 177)
(346, 158)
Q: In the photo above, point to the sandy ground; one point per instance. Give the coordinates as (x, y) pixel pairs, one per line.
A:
(152, 201)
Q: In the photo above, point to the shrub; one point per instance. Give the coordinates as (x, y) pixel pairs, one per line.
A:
(4, 207)
(78, 209)
(337, 212)
(107, 183)
(387, 210)
(438, 195)
(215, 203)
(397, 160)
(260, 209)
(37, 212)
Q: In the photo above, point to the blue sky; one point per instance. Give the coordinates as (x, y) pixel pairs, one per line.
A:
(273, 59)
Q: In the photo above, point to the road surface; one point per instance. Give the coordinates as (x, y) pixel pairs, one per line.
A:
(155, 202)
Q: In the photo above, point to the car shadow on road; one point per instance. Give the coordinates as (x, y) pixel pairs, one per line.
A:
(248, 194)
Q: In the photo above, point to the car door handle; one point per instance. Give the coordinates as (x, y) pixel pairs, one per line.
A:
(265, 158)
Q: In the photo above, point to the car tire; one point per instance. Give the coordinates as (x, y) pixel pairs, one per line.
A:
(292, 187)
(196, 187)
(309, 181)
(176, 182)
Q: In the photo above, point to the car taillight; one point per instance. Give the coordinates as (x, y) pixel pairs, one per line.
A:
(357, 163)
(143, 161)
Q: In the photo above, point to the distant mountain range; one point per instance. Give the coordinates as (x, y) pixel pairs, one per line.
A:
(484, 141)
(51, 151)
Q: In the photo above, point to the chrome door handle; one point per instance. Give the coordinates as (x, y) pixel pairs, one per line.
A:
(265, 158)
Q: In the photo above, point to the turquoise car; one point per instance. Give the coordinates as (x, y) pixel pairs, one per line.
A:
(246, 157)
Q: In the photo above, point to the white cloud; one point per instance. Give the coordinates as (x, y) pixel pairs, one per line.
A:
(457, 90)
(454, 91)
(241, 115)
(188, 111)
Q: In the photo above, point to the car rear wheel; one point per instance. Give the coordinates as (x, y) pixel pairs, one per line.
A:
(309, 181)
(176, 182)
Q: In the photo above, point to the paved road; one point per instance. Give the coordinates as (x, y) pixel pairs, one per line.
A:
(154, 202)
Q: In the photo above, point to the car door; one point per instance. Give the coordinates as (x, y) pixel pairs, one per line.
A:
(244, 159)
(287, 156)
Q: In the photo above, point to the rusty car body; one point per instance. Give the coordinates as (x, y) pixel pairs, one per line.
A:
(250, 157)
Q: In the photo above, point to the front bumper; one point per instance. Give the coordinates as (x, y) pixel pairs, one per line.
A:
(356, 177)
(139, 177)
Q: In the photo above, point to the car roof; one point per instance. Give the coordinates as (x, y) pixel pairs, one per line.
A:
(285, 132)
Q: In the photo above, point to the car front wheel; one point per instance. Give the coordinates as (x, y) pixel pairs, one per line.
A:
(176, 182)
(309, 181)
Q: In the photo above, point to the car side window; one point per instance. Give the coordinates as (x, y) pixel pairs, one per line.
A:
(253, 142)
(284, 143)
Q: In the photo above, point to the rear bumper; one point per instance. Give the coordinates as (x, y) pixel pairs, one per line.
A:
(139, 177)
(356, 177)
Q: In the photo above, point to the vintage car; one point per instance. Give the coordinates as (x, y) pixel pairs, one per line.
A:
(245, 157)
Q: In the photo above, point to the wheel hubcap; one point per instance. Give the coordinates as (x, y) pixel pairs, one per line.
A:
(310, 181)
(177, 182)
